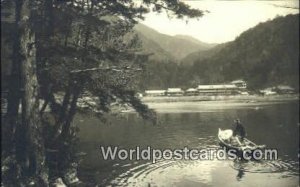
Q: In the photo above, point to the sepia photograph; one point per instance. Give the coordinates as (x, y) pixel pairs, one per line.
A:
(150, 93)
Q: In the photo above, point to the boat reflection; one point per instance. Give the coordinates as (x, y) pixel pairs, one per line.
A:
(238, 164)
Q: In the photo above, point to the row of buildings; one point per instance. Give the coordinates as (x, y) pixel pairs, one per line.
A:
(235, 87)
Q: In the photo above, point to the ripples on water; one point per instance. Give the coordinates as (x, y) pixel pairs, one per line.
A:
(183, 173)
(267, 166)
(275, 125)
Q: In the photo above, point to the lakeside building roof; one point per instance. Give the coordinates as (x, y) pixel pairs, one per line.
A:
(217, 86)
(155, 91)
(238, 81)
(191, 90)
(170, 90)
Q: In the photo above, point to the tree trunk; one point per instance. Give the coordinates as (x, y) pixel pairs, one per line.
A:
(14, 93)
(31, 122)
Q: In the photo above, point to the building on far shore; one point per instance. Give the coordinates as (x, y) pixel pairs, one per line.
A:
(284, 89)
(223, 89)
(174, 92)
(233, 88)
(268, 91)
(191, 92)
(241, 84)
(280, 89)
(154, 93)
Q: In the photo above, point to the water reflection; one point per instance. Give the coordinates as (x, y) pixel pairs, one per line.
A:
(194, 125)
(239, 166)
(240, 174)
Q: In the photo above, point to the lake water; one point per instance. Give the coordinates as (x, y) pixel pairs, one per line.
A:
(195, 125)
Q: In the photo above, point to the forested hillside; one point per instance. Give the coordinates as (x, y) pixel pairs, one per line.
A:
(265, 55)
(173, 47)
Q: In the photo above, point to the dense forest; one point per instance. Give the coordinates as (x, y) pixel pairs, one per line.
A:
(265, 55)
(54, 52)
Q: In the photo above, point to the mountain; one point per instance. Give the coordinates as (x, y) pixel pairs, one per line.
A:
(157, 52)
(265, 55)
(196, 41)
(202, 54)
(177, 47)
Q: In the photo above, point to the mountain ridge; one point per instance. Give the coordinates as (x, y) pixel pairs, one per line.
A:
(177, 47)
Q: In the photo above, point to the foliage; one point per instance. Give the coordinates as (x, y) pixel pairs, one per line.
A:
(78, 47)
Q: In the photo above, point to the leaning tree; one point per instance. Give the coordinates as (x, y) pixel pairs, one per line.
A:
(62, 50)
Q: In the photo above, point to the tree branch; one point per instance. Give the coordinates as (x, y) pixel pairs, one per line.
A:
(113, 68)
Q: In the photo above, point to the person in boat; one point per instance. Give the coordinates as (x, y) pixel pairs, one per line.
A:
(239, 130)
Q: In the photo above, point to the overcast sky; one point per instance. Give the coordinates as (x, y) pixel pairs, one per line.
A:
(226, 20)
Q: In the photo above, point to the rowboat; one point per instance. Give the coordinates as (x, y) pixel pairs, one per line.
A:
(227, 140)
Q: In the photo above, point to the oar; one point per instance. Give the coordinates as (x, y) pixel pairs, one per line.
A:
(259, 146)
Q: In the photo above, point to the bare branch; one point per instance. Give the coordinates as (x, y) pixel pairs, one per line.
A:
(113, 68)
